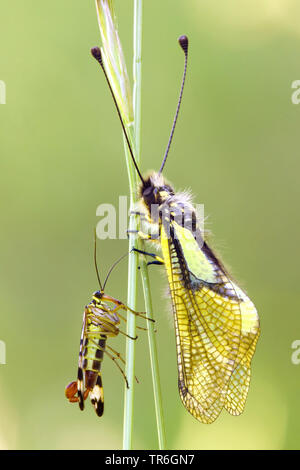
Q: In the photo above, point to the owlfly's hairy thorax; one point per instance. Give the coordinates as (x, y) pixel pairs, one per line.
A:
(163, 204)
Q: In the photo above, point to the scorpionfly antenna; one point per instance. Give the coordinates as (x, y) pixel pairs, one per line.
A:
(95, 259)
(96, 266)
(113, 266)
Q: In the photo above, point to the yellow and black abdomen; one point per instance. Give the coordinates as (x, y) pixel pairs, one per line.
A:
(92, 348)
(92, 357)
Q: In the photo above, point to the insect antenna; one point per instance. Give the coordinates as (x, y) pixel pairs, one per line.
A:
(95, 260)
(184, 44)
(113, 266)
(96, 53)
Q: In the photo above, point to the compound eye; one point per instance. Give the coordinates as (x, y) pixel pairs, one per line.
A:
(148, 192)
(97, 294)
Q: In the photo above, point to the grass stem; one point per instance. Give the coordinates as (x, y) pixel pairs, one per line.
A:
(137, 79)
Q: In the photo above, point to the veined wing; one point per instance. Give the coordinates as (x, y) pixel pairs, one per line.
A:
(240, 380)
(216, 328)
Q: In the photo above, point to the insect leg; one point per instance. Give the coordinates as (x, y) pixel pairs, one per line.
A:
(158, 259)
(116, 353)
(123, 306)
(139, 327)
(138, 314)
(108, 328)
(125, 334)
(159, 263)
(114, 359)
(120, 357)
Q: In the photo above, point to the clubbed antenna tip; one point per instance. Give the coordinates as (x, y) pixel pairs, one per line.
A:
(96, 52)
(184, 43)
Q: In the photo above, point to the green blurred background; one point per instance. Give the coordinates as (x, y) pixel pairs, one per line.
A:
(236, 147)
